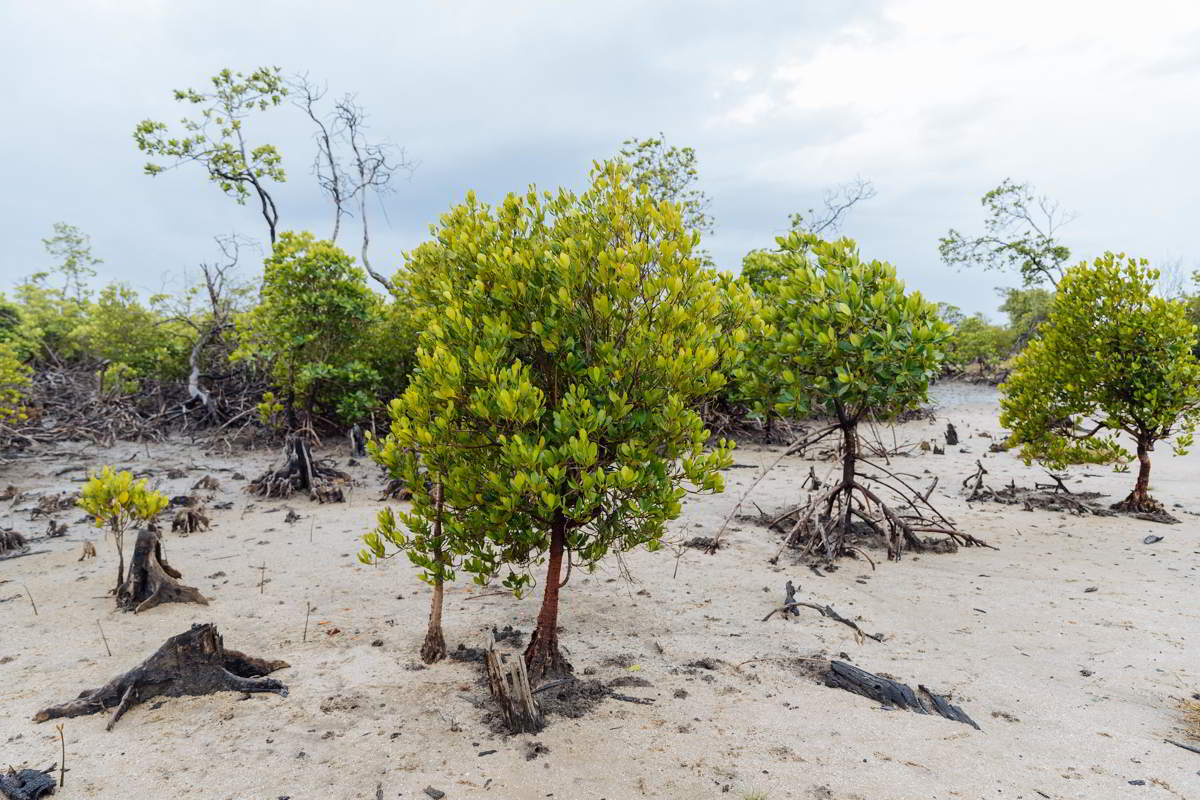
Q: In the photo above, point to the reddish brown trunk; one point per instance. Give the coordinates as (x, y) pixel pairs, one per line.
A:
(542, 656)
(1139, 499)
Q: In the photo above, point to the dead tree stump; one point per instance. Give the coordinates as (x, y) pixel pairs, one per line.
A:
(12, 543)
(151, 580)
(951, 434)
(358, 442)
(191, 663)
(510, 687)
(189, 520)
(27, 784)
(301, 473)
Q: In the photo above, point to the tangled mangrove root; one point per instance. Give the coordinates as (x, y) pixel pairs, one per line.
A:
(301, 473)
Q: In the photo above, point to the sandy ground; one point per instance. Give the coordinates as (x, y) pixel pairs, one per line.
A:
(1075, 691)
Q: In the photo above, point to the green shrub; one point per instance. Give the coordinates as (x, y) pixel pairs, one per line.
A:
(1111, 359)
(116, 501)
(314, 315)
(566, 339)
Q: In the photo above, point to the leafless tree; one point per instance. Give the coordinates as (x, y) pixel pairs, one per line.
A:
(348, 166)
(223, 293)
(836, 204)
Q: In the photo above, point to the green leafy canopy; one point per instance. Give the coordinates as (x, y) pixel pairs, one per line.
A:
(1112, 358)
(848, 339)
(566, 339)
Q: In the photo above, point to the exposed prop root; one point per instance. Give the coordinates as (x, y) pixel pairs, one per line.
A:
(191, 663)
(301, 473)
(832, 521)
(151, 581)
(1057, 497)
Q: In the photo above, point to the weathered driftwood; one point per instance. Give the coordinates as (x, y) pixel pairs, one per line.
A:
(893, 693)
(27, 784)
(301, 473)
(150, 580)
(510, 687)
(191, 663)
(792, 606)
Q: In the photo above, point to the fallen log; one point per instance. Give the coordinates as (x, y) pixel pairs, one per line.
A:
(893, 693)
(150, 580)
(191, 663)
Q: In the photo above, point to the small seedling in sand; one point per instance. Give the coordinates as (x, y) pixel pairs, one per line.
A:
(116, 501)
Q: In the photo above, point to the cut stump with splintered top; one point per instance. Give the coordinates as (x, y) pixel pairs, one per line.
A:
(150, 580)
(509, 682)
(191, 663)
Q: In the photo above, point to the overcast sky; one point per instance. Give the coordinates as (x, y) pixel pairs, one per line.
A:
(935, 101)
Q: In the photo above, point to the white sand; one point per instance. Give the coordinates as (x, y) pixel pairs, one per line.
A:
(1007, 633)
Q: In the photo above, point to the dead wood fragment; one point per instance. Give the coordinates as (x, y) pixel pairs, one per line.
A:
(509, 683)
(190, 520)
(208, 484)
(396, 490)
(358, 441)
(893, 693)
(301, 473)
(12, 543)
(151, 581)
(27, 784)
(52, 504)
(792, 606)
(191, 663)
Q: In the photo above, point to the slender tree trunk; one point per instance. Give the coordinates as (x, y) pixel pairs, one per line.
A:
(542, 656)
(849, 463)
(434, 648)
(1139, 499)
(118, 540)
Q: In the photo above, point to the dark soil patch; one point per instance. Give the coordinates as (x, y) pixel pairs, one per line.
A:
(574, 699)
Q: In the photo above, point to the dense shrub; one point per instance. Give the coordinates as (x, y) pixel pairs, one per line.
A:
(314, 315)
(1111, 359)
(551, 411)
